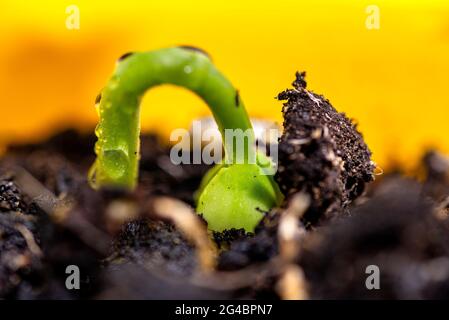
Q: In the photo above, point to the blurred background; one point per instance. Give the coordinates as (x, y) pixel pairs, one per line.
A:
(393, 80)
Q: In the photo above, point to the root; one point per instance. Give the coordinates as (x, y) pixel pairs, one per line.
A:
(290, 232)
(39, 194)
(61, 211)
(442, 211)
(292, 284)
(29, 239)
(188, 222)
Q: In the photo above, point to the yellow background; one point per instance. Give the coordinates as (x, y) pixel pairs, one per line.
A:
(393, 81)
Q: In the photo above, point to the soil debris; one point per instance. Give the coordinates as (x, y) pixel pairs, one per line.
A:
(320, 153)
(395, 231)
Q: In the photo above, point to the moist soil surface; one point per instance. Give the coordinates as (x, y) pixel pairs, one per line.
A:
(399, 225)
(334, 226)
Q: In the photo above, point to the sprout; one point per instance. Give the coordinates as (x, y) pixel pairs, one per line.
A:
(231, 195)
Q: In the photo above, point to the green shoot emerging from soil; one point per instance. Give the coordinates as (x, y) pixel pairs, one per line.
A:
(231, 195)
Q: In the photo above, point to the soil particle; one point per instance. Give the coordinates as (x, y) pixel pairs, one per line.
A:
(225, 238)
(320, 152)
(10, 197)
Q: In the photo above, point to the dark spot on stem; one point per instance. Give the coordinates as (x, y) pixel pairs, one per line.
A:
(124, 56)
(237, 98)
(260, 210)
(98, 98)
(196, 49)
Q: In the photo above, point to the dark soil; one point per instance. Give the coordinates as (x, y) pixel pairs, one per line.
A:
(396, 230)
(34, 252)
(125, 251)
(18, 264)
(155, 243)
(60, 164)
(320, 152)
(246, 249)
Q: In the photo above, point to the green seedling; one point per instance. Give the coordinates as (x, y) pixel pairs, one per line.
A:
(233, 194)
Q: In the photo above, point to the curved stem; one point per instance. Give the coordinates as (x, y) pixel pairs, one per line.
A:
(118, 131)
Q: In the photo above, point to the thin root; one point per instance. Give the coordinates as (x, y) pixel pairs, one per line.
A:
(29, 238)
(292, 284)
(290, 231)
(188, 222)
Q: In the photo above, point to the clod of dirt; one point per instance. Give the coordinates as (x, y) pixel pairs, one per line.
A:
(154, 244)
(245, 249)
(321, 153)
(396, 231)
(223, 239)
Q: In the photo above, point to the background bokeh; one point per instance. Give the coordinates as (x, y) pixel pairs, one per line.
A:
(393, 81)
